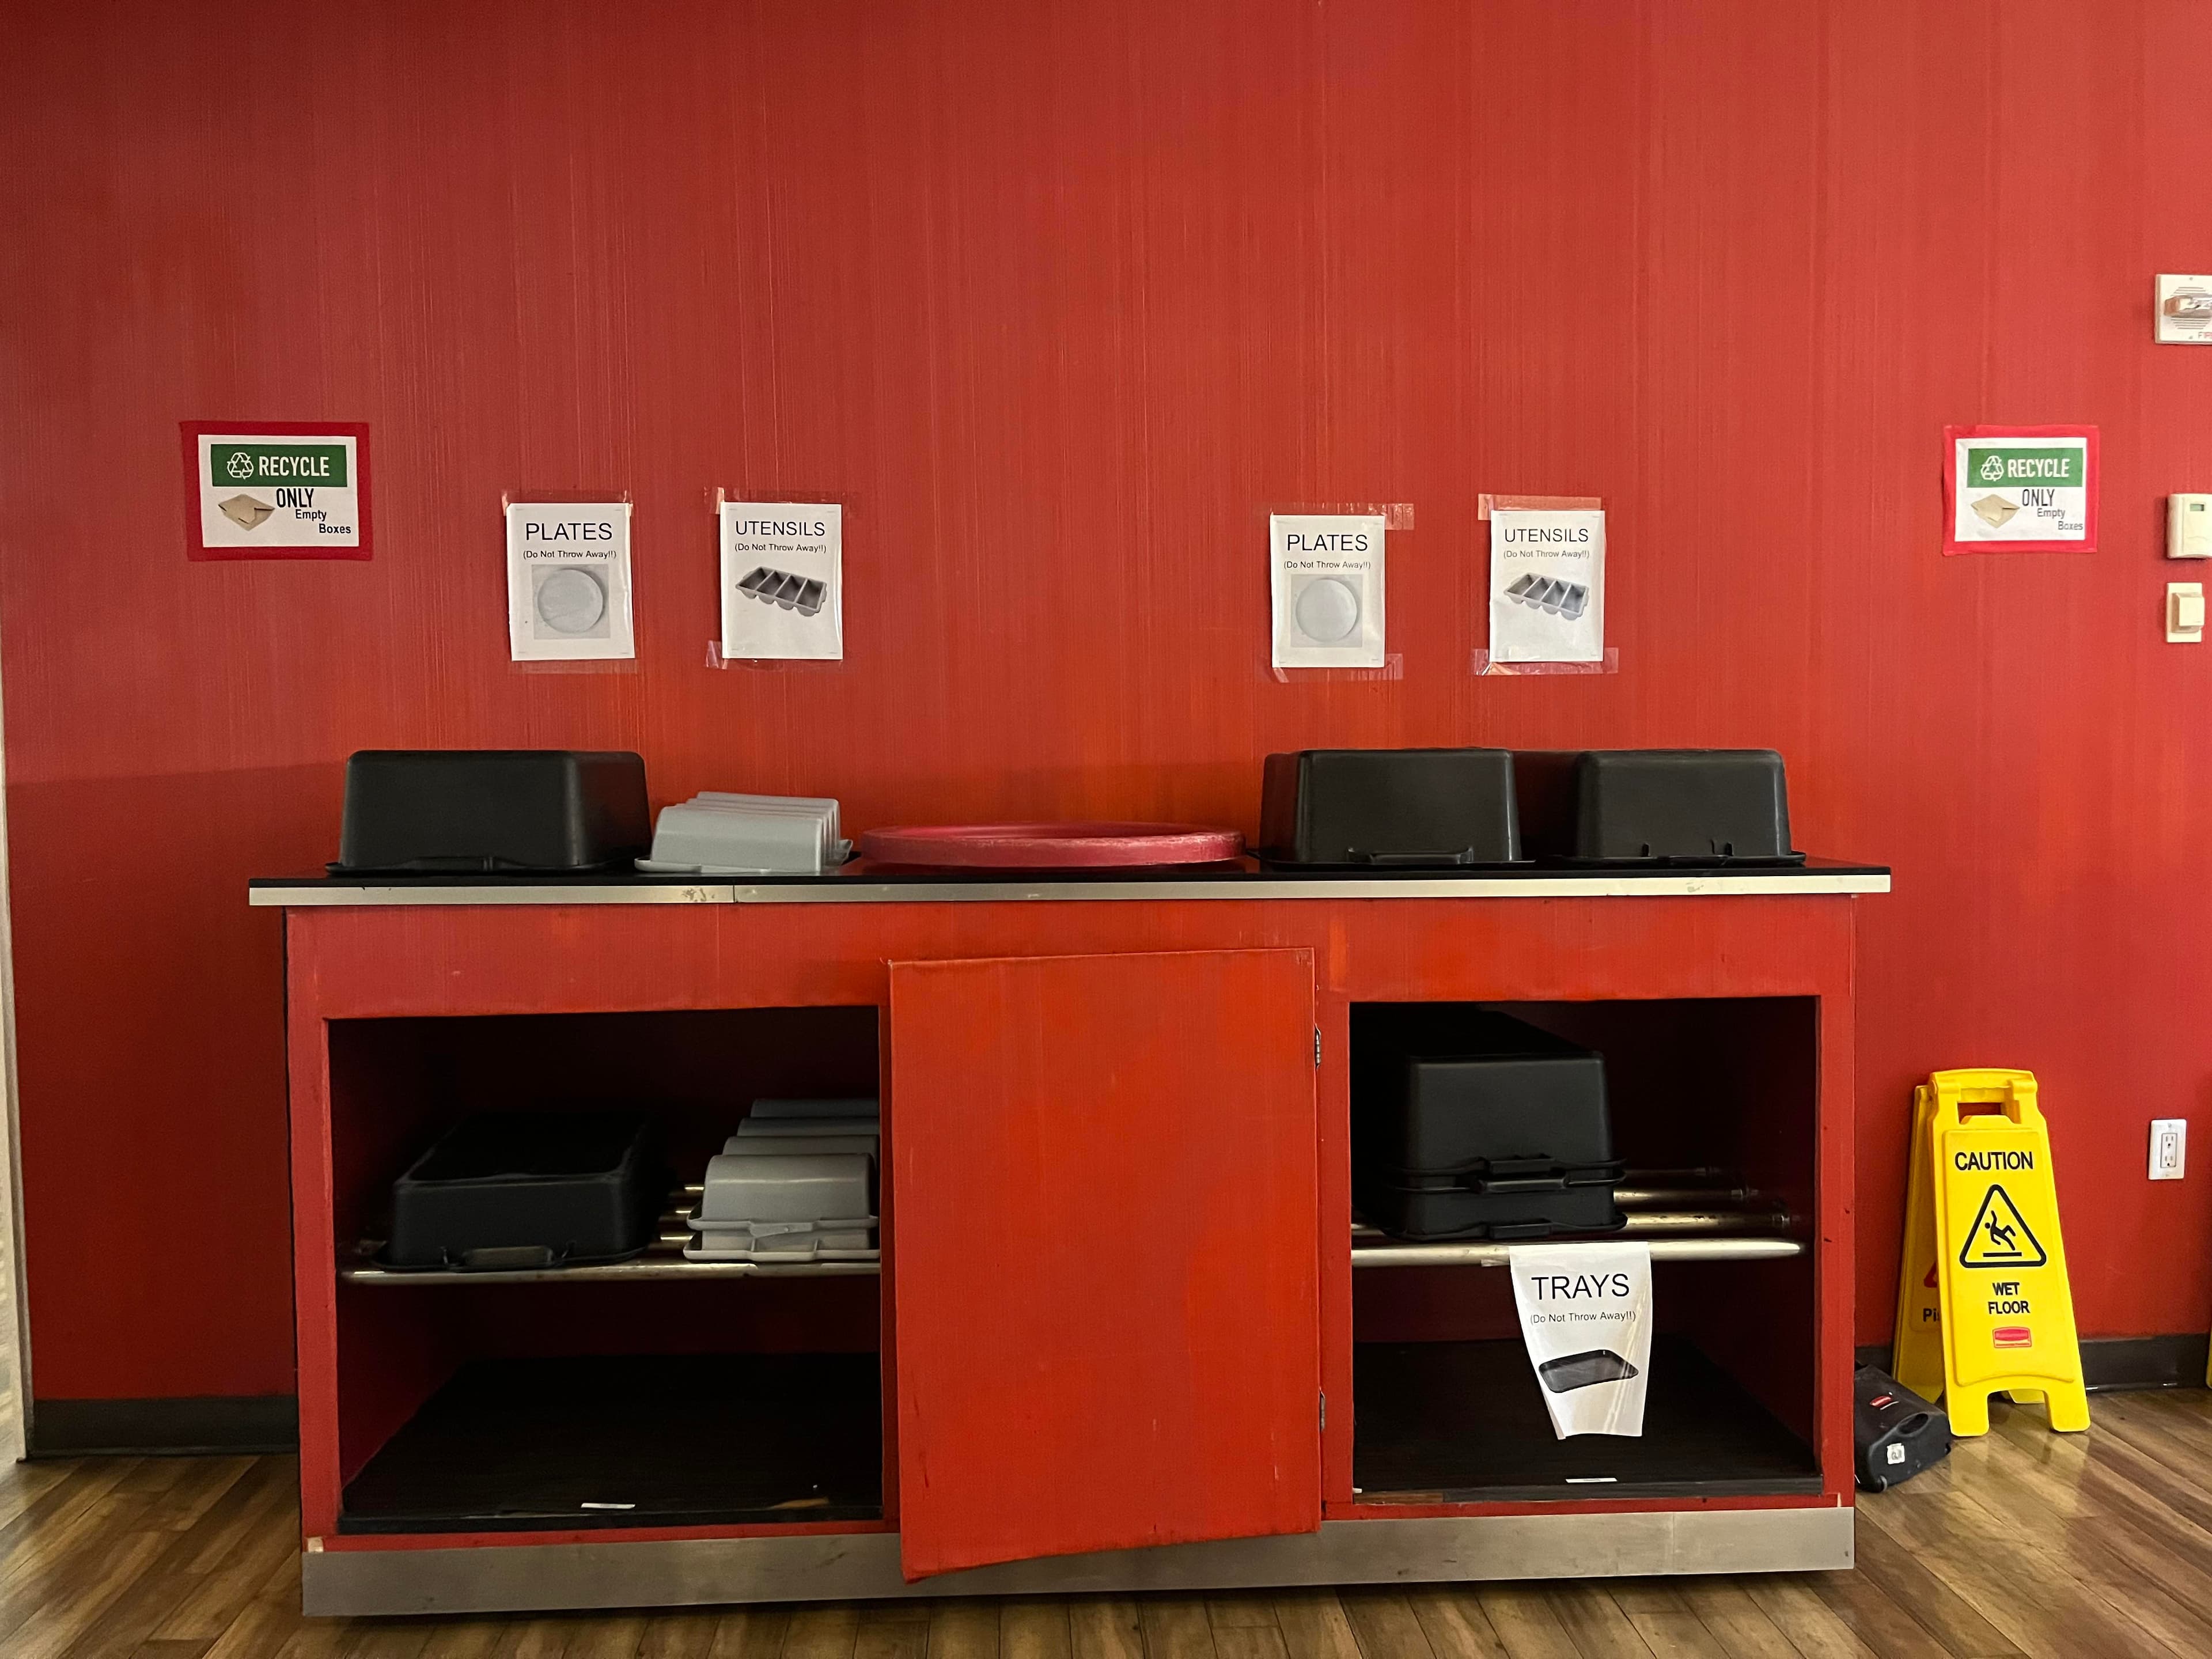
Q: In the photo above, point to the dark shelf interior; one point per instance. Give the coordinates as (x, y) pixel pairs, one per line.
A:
(1463, 1422)
(680, 1440)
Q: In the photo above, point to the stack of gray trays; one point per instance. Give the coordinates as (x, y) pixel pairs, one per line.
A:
(795, 1184)
(717, 833)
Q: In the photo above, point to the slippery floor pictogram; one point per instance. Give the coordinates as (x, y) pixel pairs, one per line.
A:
(1999, 1237)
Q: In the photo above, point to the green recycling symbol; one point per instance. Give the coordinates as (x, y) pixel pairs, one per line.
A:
(241, 464)
(1993, 468)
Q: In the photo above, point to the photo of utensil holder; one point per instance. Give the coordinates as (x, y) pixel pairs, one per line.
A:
(1548, 593)
(783, 590)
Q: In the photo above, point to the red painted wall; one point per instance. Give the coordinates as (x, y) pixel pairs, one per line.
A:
(1059, 300)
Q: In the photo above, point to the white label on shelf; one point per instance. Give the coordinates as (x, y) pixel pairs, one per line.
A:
(1586, 1318)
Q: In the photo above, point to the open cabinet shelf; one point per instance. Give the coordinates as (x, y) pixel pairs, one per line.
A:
(646, 1393)
(1710, 1103)
(630, 1440)
(1464, 1422)
(653, 1265)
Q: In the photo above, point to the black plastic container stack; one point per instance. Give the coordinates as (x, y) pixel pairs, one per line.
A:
(1413, 808)
(1470, 1124)
(1654, 807)
(488, 811)
(508, 1190)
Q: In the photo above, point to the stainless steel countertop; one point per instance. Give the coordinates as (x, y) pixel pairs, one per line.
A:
(857, 884)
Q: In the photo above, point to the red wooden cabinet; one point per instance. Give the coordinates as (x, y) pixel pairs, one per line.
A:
(1106, 1274)
(1119, 1270)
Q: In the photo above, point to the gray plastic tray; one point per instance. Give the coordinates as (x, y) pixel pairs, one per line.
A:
(744, 1188)
(721, 834)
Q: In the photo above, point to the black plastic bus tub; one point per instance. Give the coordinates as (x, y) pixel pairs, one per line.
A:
(1654, 807)
(1411, 808)
(488, 811)
(1471, 1124)
(507, 1190)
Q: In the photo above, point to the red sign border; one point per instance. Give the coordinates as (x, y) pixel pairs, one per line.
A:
(1952, 435)
(193, 431)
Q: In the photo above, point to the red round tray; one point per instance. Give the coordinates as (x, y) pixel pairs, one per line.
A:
(1049, 846)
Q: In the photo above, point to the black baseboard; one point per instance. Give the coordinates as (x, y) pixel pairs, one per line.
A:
(2120, 1362)
(220, 1424)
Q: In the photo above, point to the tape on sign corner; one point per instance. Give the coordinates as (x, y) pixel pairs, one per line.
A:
(576, 665)
(1395, 515)
(715, 659)
(1484, 505)
(1480, 665)
(560, 497)
(1392, 668)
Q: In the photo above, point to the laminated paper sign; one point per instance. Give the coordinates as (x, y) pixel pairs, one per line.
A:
(1586, 1317)
(783, 580)
(1325, 579)
(568, 581)
(1548, 584)
(276, 490)
(2019, 489)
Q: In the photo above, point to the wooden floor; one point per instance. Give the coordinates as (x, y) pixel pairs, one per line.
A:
(2025, 1543)
(11, 1425)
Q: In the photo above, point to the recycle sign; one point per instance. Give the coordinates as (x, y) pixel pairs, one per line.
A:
(293, 491)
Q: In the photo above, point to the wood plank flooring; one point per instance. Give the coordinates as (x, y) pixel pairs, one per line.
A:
(2025, 1545)
(11, 1421)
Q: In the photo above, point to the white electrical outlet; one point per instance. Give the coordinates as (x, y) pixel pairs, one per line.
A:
(2169, 1147)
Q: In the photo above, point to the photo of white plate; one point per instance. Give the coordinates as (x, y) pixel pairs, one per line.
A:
(571, 602)
(1327, 610)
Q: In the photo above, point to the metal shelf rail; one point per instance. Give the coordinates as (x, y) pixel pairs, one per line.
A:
(1687, 1215)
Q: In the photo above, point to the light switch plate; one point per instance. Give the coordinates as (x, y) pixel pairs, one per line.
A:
(2184, 613)
(2184, 312)
(2169, 1147)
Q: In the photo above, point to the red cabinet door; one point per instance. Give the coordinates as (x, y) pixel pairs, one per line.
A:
(1105, 1252)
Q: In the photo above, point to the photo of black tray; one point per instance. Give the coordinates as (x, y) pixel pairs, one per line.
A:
(1583, 1370)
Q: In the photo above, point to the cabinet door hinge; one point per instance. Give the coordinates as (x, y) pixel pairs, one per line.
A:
(1324, 1410)
(1316, 1045)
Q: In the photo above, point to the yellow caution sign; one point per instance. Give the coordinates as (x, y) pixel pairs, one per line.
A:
(1916, 1356)
(2007, 1316)
(1916, 1344)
